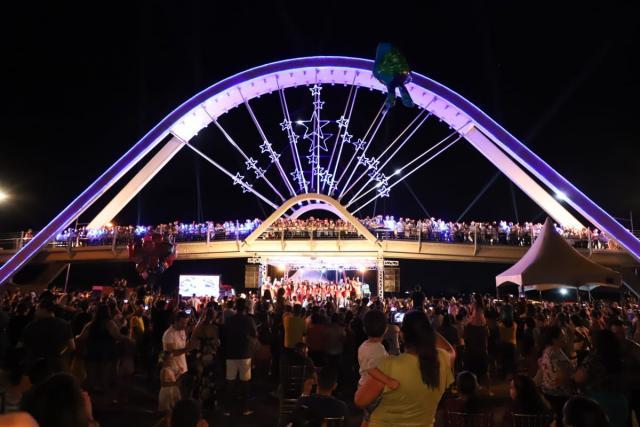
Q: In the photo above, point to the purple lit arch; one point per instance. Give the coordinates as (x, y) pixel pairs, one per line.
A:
(499, 146)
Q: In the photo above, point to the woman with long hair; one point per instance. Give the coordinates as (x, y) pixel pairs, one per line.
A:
(100, 336)
(526, 399)
(507, 329)
(476, 342)
(423, 371)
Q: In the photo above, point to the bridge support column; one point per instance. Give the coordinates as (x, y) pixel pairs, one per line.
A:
(380, 286)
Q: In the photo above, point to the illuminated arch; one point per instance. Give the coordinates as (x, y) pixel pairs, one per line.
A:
(318, 201)
(177, 128)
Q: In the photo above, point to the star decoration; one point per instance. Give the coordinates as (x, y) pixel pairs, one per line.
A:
(318, 105)
(382, 179)
(238, 179)
(315, 90)
(363, 160)
(266, 147)
(346, 138)
(342, 122)
(251, 163)
(359, 144)
(310, 132)
(259, 172)
(293, 138)
(327, 178)
(274, 156)
(373, 163)
(246, 187)
(298, 177)
(332, 185)
(286, 124)
(383, 191)
(312, 159)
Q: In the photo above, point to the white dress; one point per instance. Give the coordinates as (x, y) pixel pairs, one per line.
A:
(169, 395)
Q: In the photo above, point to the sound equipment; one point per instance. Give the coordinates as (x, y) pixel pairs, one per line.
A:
(392, 279)
(251, 276)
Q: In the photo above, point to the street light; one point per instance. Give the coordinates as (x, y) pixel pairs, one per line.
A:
(3, 196)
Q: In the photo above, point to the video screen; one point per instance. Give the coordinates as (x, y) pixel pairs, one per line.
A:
(199, 285)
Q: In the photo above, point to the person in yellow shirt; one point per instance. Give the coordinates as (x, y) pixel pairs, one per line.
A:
(136, 324)
(424, 373)
(294, 327)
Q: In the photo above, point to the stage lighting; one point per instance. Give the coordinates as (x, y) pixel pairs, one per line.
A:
(563, 291)
(3, 196)
(281, 267)
(362, 269)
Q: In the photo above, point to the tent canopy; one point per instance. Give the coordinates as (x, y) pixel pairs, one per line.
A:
(552, 262)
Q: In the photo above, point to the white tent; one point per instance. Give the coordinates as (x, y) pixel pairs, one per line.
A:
(552, 262)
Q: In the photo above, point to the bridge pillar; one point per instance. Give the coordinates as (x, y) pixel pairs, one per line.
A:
(380, 286)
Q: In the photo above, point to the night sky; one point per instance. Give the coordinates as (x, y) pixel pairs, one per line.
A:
(78, 91)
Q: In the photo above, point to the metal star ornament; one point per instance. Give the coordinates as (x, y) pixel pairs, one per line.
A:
(383, 191)
(359, 144)
(342, 122)
(363, 160)
(259, 172)
(373, 163)
(274, 156)
(251, 163)
(286, 124)
(266, 147)
(315, 90)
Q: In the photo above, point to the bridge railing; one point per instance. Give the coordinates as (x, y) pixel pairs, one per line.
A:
(116, 239)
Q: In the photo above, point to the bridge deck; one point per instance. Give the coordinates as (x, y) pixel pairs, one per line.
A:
(392, 249)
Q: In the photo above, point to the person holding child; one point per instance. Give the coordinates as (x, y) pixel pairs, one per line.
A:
(422, 375)
(370, 354)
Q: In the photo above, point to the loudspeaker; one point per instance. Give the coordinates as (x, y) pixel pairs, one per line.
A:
(392, 279)
(251, 276)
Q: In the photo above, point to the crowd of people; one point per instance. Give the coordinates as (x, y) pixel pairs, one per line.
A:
(492, 233)
(383, 227)
(309, 292)
(403, 361)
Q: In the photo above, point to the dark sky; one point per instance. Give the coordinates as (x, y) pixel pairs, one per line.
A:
(78, 91)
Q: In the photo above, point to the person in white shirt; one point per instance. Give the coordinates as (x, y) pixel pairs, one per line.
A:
(174, 340)
(370, 354)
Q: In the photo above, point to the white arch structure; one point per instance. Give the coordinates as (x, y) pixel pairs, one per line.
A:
(318, 202)
(175, 131)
